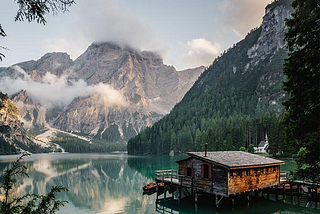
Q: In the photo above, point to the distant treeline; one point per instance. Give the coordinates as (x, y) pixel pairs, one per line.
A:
(76, 145)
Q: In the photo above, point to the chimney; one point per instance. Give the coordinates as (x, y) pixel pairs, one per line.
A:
(205, 150)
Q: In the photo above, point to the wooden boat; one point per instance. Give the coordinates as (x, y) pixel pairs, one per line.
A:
(150, 188)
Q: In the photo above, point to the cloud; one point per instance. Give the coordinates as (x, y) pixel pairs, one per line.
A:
(201, 52)
(59, 91)
(105, 21)
(107, 95)
(243, 15)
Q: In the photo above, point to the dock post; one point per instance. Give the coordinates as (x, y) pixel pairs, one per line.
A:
(232, 201)
(248, 199)
(196, 200)
(195, 197)
(277, 196)
(217, 203)
(256, 195)
(179, 199)
(291, 193)
(298, 188)
(317, 197)
(157, 190)
(165, 191)
(192, 192)
(268, 196)
(284, 192)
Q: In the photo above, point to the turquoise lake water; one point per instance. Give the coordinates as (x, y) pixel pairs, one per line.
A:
(112, 183)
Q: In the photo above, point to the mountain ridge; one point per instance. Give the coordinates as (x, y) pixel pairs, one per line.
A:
(234, 102)
(104, 72)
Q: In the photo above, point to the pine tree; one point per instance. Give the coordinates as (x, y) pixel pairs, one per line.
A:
(302, 69)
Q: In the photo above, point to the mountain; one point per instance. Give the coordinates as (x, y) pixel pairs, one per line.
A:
(33, 114)
(149, 87)
(235, 102)
(116, 91)
(13, 137)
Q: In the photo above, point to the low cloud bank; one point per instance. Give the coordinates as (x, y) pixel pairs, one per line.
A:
(60, 91)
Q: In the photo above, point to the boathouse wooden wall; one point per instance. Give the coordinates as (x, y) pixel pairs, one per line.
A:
(217, 182)
(251, 179)
(225, 182)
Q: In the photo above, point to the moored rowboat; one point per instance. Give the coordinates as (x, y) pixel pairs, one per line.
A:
(150, 188)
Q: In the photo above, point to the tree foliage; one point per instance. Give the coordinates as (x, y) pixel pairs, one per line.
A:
(302, 69)
(222, 109)
(35, 10)
(29, 203)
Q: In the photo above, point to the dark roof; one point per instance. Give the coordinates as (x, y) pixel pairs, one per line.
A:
(235, 159)
(262, 143)
(183, 160)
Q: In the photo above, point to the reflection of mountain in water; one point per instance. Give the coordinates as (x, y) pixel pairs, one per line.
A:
(104, 184)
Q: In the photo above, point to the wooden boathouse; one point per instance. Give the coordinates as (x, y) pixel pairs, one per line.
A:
(223, 173)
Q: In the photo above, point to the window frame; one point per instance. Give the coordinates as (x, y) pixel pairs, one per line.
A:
(206, 171)
(189, 169)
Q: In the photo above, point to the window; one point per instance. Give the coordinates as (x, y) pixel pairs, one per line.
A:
(205, 171)
(274, 169)
(255, 171)
(247, 172)
(239, 173)
(189, 171)
(261, 170)
(231, 174)
(267, 170)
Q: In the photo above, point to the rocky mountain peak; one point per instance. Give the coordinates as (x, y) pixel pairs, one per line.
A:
(273, 28)
(22, 96)
(148, 88)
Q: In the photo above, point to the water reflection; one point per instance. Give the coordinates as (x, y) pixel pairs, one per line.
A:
(112, 183)
(96, 183)
(206, 205)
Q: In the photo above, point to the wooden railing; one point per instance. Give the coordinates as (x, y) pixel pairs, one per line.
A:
(163, 174)
(169, 175)
(283, 174)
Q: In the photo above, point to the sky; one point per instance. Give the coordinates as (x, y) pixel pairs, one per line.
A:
(186, 33)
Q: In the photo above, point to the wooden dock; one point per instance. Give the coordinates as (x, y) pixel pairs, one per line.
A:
(232, 175)
(306, 192)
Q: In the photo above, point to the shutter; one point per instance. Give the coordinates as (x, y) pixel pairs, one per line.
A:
(209, 172)
(202, 170)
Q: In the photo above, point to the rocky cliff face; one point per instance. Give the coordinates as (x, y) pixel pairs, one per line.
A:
(11, 128)
(149, 87)
(271, 46)
(55, 63)
(125, 90)
(32, 114)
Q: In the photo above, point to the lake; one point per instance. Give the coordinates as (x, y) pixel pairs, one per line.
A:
(112, 183)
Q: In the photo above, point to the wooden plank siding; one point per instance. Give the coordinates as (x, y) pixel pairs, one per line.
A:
(253, 181)
(228, 172)
(216, 183)
(222, 183)
(199, 183)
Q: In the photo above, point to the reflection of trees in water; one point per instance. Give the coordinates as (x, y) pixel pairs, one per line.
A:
(107, 184)
(97, 184)
(147, 165)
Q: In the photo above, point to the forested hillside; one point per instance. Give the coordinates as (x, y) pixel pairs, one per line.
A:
(235, 102)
